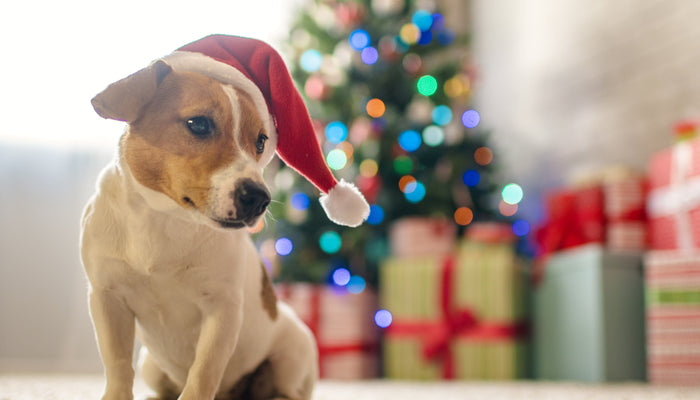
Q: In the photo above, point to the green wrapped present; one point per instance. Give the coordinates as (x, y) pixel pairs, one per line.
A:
(460, 316)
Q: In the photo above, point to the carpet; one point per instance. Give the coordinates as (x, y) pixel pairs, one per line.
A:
(89, 387)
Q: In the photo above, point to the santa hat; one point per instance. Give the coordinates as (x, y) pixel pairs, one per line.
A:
(256, 68)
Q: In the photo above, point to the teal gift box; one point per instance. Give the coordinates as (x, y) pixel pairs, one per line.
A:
(589, 317)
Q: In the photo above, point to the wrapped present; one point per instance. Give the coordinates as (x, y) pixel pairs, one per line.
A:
(343, 324)
(673, 317)
(673, 204)
(589, 316)
(458, 316)
(422, 236)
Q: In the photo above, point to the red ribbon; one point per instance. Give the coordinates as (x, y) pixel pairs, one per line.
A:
(436, 336)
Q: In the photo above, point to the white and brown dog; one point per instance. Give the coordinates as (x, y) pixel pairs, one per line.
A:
(164, 251)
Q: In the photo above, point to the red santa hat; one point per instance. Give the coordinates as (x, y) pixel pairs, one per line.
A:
(256, 68)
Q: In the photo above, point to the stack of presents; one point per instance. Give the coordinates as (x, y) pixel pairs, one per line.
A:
(612, 295)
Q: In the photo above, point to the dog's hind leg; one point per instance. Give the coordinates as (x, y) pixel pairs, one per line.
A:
(156, 379)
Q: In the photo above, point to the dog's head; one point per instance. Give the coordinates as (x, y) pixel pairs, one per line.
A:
(200, 142)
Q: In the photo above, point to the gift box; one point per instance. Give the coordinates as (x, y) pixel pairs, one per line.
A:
(673, 204)
(422, 236)
(343, 324)
(589, 316)
(457, 316)
(673, 317)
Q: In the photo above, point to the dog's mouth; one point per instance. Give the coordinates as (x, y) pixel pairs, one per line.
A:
(233, 223)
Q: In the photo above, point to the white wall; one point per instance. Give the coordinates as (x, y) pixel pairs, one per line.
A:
(569, 85)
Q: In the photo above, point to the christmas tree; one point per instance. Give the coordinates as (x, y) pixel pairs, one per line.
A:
(388, 86)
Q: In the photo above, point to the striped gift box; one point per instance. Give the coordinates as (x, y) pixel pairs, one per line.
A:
(342, 322)
(673, 317)
(456, 316)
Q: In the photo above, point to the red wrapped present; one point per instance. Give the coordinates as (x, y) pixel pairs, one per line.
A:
(672, 281)
(673, 204)
(343, 324)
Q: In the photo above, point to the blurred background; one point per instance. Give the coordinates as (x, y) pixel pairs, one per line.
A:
(537, 156)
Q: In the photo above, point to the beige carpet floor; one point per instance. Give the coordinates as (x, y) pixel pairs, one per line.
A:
(89, 387)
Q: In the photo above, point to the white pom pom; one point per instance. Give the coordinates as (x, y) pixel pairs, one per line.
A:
(345, 205)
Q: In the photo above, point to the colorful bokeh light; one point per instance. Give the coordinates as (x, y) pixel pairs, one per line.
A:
(521, 227)
(383, 318)
(422, 19)
(369, 168)
(300, 201)
(376, 215)
(464, 216)
(417, 194)
(483, 155)
(433, 135)
(283, 246)
(311, 60)
(409, 140)
(471, 177)
(375, 108)
(507, 210)
(405, 181)
(336, 132)
(403, 165)
(512, 193)
(330, 242)
(442, 115)
(409, 33)
(359, 39)
(369, 55)
(470, 118)
(341, 276)
(356, 284)
(336, 159)
(427, 85)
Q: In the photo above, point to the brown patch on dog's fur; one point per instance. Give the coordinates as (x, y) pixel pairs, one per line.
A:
(267, 292)
(251, 125)
(164, 156)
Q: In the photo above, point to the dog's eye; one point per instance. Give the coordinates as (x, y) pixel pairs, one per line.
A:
(201, 126)
(260, 144)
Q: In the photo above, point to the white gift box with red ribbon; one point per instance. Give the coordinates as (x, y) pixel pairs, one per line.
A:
(673, 204)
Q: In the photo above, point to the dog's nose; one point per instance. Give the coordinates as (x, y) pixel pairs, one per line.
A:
(251, 199)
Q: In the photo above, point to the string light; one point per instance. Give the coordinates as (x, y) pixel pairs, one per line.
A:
(512, 193)
(409, 141)
(369, 55)
(403, 165)
(417, 194)
(300, 201)
(336, 159)
(438, 22)
(341, 276)
(405, 181)
(457, 86)
(375, 108)
(422, 19)
(442, 115)
(507, 210)
(427, 85)
(383, 318)
(311, 60)
(425, 38)
(356, 284)
(369, 168)
(471, 177)
(376, 215)
(483, 155)
(409, 33)
(283, 246)
(471, 118)
(359, 39)
(330, 242)
(464, 216)
(336, 132)
(521, 227)
(433, 135)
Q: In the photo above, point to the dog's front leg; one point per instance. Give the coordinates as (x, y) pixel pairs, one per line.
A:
(114, 326)
(217, 340)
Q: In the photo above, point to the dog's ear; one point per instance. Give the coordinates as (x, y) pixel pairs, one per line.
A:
(124, 99)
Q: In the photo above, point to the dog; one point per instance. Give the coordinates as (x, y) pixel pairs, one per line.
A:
(167, 255)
